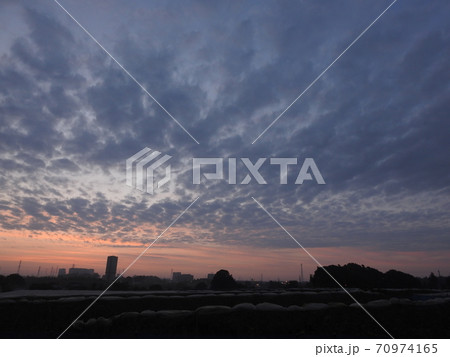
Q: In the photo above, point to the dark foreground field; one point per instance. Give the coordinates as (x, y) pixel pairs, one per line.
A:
(237, 314)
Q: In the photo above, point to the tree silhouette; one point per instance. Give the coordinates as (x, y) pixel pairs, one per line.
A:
(399, 280)
(351, 275)
(223, 280)
(433, 281)
(360, 276)
(14, 282)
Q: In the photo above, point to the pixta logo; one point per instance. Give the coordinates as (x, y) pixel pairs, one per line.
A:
(253, 170)
(141, 167)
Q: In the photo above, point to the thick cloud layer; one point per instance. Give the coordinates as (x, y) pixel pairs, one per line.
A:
(376, 123)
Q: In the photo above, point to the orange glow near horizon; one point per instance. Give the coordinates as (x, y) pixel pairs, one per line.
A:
(63, 250)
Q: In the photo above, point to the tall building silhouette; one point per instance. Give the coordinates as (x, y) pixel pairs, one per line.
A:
(111, 268)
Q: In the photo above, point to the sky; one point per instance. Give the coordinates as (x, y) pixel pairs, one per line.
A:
(376, 125)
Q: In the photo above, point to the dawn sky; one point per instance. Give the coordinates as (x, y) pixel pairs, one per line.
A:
(376, 124)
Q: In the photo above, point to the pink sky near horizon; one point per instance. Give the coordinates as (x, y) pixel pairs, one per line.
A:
(244, 262)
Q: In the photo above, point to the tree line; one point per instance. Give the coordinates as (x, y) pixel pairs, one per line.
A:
(360, 276)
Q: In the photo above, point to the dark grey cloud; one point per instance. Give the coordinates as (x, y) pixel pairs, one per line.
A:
(376, 124)
(63, 164)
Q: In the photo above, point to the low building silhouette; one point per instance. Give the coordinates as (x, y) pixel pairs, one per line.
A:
(81, 272)
(177, 277)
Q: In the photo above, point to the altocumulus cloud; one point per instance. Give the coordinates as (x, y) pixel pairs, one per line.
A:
(376, 123)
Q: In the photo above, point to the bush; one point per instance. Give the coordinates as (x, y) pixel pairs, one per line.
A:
(13, 282)
(223, 280)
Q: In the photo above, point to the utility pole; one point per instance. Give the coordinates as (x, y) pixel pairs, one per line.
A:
(18, 269)
(39, 270)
